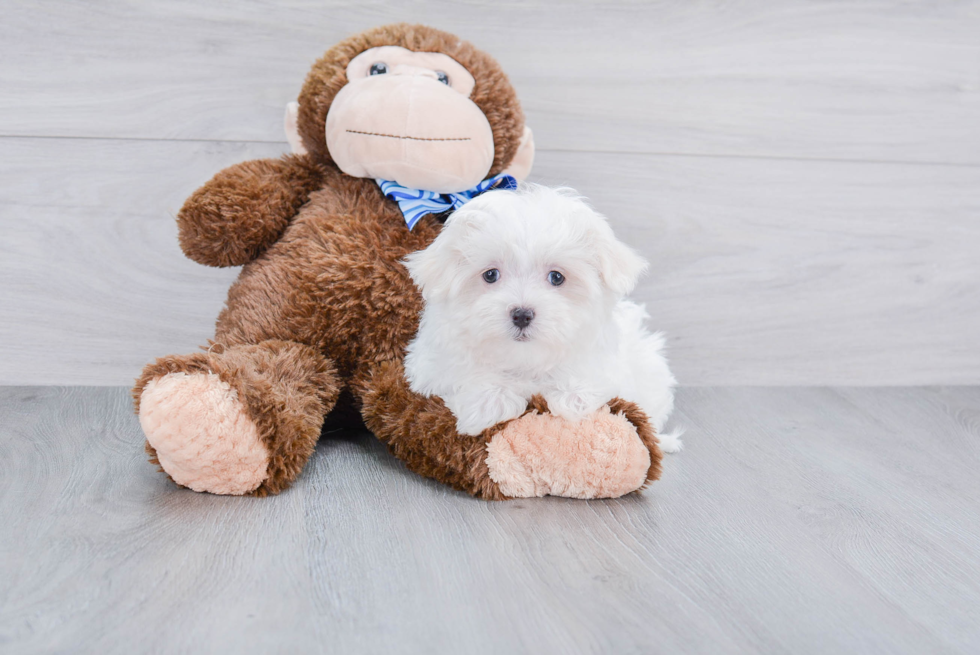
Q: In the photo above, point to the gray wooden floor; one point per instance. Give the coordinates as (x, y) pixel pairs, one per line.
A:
(801, 520)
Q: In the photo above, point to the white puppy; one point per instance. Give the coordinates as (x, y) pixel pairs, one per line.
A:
(524, 294)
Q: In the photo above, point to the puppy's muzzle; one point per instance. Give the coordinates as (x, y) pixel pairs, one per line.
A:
(522, 317)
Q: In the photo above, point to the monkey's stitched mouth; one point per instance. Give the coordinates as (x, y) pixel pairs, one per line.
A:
(412, 138)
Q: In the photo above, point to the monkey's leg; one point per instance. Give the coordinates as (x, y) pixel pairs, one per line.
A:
(422, 432)
(244, 420)
(608, 454)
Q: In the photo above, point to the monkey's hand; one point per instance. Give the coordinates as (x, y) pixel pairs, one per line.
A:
(244, 209)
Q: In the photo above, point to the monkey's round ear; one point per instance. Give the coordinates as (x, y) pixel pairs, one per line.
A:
(619, 265)
(520, 165)
(292, 129)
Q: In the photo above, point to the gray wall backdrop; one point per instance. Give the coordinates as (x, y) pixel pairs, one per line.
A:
(803, 176)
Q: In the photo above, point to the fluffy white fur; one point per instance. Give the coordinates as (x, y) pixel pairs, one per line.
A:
(585, 345)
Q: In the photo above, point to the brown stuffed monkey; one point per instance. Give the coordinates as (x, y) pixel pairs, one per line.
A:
(316, 325)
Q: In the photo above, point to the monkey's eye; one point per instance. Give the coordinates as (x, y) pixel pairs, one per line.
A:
(442, 77)
(556, 278)
(379, 68)
(491, 276)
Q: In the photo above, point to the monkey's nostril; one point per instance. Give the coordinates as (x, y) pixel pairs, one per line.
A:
(522, 317)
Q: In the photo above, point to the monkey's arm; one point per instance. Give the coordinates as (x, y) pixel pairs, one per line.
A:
(244, 209)
(609, 453)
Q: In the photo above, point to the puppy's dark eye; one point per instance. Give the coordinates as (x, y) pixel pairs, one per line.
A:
(379, 68)
(556, 278)
(442, 77)
(491, 276)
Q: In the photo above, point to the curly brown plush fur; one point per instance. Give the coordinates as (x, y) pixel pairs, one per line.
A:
(238, 213)
(323, 308)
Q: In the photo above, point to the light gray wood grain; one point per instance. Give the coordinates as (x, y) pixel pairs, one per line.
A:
(758, 153)
(799, 272)
(857, 80)
(762, 271)
(797, 520)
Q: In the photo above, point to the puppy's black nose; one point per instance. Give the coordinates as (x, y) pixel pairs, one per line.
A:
(522, 317)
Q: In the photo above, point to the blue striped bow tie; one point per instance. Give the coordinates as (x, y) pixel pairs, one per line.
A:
(416, 203)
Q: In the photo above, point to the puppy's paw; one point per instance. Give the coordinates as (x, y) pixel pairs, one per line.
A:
(475, 411)
(670, 442)
(574, 405)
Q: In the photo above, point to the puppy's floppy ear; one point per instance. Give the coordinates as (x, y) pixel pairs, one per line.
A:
(619, 265)
(432, 269)
(436, 269)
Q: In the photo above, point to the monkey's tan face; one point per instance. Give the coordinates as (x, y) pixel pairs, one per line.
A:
(407, 116)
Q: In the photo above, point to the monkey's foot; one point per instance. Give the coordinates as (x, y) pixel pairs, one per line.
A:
(601, 456)
(202, 436)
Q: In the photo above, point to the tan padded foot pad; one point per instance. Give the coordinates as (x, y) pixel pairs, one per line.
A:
(600, 456)
(202, 435)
